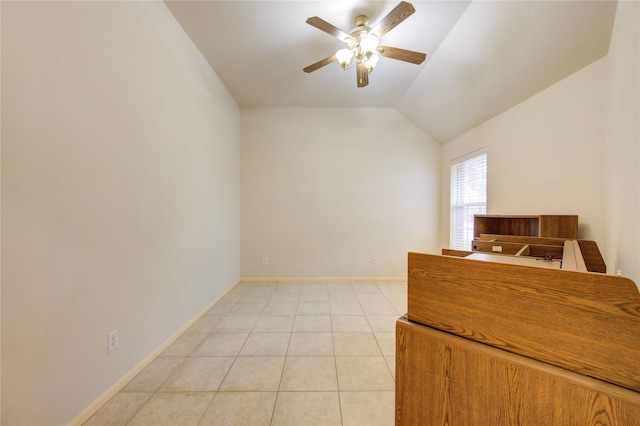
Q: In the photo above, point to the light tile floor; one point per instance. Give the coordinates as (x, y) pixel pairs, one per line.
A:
(275, 354)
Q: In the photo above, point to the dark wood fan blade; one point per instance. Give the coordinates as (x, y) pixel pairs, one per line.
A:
(402, 54)
(323, 25)
(362, 74)
(401, 12)
(320, 64)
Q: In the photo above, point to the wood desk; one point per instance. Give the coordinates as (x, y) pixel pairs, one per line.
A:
(488, 343)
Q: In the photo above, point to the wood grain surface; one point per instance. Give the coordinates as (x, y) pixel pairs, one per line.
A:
(584, 322)
(555, 226)
(442, 379)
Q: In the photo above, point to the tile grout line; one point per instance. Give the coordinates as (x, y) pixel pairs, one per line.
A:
(310, 298)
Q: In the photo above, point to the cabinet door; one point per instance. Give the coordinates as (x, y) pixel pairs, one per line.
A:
(443, 379)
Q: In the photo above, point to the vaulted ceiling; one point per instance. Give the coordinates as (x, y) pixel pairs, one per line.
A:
(483, 57)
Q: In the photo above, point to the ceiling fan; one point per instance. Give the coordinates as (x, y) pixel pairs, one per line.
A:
(362, 42)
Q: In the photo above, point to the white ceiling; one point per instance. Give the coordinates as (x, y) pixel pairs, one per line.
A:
(483, 57)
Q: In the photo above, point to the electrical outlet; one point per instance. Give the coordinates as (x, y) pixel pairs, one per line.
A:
(392, 260)
(114, 340)
(265, 261)
(374, 260)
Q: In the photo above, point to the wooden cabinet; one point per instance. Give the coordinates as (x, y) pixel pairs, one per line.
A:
(493, 343)
(444, 379)
(540, 236)
(554, 226)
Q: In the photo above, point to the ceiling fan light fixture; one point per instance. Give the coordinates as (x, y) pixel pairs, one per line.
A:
(345, 58)
(369, 43)
(370, 61)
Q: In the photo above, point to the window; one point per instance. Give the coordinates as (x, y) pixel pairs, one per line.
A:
(468, 196)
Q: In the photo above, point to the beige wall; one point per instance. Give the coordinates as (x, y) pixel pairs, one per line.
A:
(324, 191)
(120, 196)
(622, 138)
(544, 155)
(571, 149)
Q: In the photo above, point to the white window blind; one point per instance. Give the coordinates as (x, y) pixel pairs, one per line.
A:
(468, 196)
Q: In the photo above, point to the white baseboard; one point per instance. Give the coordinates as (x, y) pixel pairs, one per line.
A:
(322, 279)
(122, 382)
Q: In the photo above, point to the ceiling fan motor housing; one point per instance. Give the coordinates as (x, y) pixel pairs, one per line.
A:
(358, 34)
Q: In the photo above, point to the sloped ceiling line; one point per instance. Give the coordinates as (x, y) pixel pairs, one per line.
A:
(483, 57)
